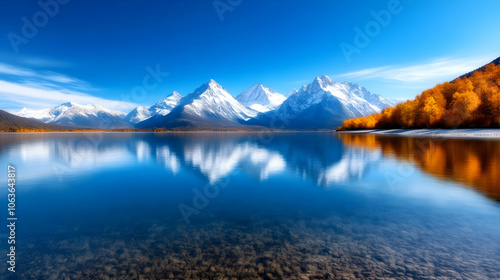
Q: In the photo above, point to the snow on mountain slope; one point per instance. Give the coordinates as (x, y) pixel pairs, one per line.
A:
(138, 114)
(374, 99)
(323, 104)
(208, 106)
(166, 105)
(291, 92)
(42, 115)
(76, 115)
(212, 100)
(326, 104)
(162, 107)
(260, 98)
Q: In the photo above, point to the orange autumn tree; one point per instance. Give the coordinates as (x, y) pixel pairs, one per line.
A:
(472, 101)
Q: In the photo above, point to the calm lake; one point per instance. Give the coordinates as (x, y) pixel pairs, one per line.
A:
(252, 206)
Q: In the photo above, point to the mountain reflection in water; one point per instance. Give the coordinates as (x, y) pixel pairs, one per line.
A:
(289, 206)
(330, 159)
(213, 156)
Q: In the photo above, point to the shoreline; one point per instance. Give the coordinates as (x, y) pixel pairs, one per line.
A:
(174, 131)
(462, 133)
(459, 133)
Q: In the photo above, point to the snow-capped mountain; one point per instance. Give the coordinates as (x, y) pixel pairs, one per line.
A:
(138, 114)
(374, 99)
(291, 92)
(11, 122)
(76, 115)
(325, 104)
(260, 98)
(42, 115)
(209, 106)
(162, 107)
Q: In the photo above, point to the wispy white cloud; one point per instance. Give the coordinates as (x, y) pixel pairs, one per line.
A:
(16, 71)
(439, 69)
(9, 70)
(44, 89)
(34, 97)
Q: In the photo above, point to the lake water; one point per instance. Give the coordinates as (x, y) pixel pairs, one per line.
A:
(252, 206)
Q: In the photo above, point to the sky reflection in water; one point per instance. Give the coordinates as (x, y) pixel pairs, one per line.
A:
(101, 206)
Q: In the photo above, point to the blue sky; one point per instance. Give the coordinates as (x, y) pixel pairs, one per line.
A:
(103, 51)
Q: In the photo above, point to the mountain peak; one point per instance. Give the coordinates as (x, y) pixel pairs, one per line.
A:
(291, 92)
(261, 89)
(162, 107)
(209, 105)
(174, 94)
(211, 87)
(323, 82)
(324, 79)
(326, 103)
(172, 98)
(212, 83)
(260, 98)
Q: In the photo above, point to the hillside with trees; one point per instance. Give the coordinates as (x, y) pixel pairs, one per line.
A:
(470, 101)
(13, 123)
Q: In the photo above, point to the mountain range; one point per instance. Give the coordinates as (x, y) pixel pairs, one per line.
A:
(323, 104)
(209, 107)
(162, 107)
(76, 115)
(261, 98)
(11, 122)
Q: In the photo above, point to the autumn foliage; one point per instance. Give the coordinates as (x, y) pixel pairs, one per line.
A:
(466, 102)
(477, 164)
